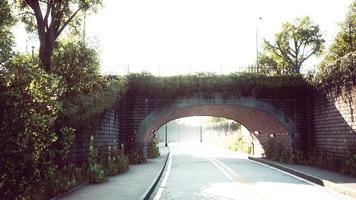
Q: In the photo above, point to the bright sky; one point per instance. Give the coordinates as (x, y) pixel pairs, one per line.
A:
(167, 37)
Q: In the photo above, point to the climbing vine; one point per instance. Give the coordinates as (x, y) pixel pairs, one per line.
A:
(338, 76)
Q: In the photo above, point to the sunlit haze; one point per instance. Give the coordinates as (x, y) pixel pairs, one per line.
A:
(167, 37)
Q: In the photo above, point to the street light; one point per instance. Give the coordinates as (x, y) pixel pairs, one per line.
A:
(201, 131)
(166, 143)
(257, 66)
(33, 55)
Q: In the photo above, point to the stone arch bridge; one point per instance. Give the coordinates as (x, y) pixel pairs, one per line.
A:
(280, 113)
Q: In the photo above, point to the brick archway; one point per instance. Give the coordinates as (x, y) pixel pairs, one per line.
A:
(260, 118)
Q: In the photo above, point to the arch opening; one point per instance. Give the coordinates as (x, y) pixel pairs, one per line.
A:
(262, 120)
(214, 131)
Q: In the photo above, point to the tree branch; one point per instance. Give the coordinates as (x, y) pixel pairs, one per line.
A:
(49, 3)
(284, 54)
(25, 13)
(67, 22)
(38, 15)
(31, 3)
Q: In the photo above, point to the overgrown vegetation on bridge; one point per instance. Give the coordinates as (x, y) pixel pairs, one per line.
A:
(208, 84)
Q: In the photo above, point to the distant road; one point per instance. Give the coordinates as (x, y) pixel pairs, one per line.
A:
(197, 171)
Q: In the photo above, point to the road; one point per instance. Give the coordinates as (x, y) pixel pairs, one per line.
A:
(199, 171)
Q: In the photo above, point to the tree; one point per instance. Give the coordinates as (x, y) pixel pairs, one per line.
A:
(345, 40)
(296, 43)
(6, 38)
(269, 63)
(49, 18)
(78, 65)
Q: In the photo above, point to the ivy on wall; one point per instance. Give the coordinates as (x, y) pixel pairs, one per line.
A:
(337, 76)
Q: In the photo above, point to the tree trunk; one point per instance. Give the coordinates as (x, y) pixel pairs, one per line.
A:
(46, 51)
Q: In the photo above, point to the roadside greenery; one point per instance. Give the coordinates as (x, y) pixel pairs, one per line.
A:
(153, 151)
(239, 143)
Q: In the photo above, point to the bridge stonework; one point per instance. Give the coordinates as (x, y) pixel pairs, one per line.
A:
(284, 113)
(105, 132)
(313, 121)
(334, 124)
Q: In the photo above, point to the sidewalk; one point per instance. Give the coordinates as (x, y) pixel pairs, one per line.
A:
(331, 180)
(133, 184)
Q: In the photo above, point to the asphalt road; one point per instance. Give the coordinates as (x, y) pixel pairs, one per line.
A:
(199, 171)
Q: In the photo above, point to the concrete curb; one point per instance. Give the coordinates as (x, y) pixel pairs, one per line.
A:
(68, 192)
(146, 195)
(322, 182)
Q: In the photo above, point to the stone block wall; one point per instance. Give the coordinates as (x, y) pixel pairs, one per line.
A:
(105, 133)
(294, 103)
(334, 124)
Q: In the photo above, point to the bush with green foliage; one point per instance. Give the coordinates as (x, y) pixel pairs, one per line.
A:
(115, 161)
(37, 110)
(135, 157)
(95, 169)
(153, 151)
(122, 161)
(58, 180)
(29, 102)
(240, 144)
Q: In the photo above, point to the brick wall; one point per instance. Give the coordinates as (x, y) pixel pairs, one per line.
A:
(293, 102)
(105, 133)
(334, 126)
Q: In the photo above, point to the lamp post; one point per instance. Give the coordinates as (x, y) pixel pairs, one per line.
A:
(257, 65)
(201, 131)
(33, 55)
(166, 142)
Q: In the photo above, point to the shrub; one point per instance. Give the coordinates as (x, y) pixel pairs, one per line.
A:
(117, 161)
(96, 171)
(135, 157)
(58, 180)
(240, 144)
(111, 163)
(350, 165)
(275, 150)
(123, 161)
(153, 151)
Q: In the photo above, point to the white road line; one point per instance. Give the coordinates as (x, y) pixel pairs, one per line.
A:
(222, 170)
(227, 168)
(165, 179)
(236, 179)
